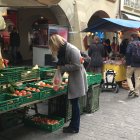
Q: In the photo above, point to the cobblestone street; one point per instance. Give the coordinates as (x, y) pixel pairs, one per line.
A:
(117, 119)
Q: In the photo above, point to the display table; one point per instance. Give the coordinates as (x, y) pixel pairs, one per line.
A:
(120, 70)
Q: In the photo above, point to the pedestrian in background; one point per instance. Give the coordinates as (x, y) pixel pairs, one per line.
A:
(133, 64)
(14, 43)
(97, 53)
(123, 46)
(69, 61)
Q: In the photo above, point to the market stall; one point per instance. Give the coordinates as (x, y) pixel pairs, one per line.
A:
(113, 25)
(22, 88)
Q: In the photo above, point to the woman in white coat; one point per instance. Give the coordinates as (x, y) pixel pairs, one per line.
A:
(69, 61)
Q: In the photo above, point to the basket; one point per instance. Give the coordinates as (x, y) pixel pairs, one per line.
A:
(50, 89)
(93, 94)
(94, 78)
(30, 98)
(61, 106)
(9, 76)
(43, 94)
(15, 74)
(47, 72)
(42, 125)
(8, 102)
(29, 74)
(11, 119)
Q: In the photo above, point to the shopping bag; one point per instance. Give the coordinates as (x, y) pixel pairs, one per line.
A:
(57, 80)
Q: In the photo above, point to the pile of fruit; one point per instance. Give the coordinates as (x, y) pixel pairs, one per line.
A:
(45, 121)
(43, 84)
(25, 91)
(21, 93)
(50, 85)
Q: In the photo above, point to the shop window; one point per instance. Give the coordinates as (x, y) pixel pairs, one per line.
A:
(41, 31)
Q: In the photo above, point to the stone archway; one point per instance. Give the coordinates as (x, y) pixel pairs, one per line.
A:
(88, 39)
(96, 15)
(54, 14)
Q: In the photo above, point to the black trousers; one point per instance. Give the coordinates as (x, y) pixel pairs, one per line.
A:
(75, 120)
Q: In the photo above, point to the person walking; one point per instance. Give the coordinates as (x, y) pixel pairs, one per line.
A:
(133, 65)
(123, 46)
(97, 53)
(69, 61)
(15, 43)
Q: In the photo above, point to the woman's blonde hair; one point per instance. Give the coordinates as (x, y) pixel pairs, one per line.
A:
(55, 42)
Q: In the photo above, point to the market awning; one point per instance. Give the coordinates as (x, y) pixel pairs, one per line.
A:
(112, 25)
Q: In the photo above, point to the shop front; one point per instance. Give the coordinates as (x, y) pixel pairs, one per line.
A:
(34, 35)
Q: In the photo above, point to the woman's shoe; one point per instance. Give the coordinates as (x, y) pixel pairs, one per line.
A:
(136, 95)
(131, 93)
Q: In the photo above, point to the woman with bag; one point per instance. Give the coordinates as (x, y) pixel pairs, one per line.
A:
(69, 61)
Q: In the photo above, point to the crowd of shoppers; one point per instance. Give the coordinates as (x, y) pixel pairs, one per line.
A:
(129, 49)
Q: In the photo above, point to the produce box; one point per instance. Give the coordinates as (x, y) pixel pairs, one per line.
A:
(46, 72)
(61, 106)
(15, 74)
(9, 76)
(8, 102)
(29, 74)
(43, 92)
(93, 94)
(46, 85)
(94, 78)
(8, 69)
(11, 119)
(44, 122)
(27, 96)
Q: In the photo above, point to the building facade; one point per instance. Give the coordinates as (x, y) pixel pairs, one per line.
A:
(74, 14)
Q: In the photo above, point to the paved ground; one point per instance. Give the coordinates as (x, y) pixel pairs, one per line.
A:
(117, 119)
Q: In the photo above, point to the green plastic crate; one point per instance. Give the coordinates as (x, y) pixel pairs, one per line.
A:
(82, 104)
(9, 69)
(61, 106)
(30, 98)
(15, 74)
(46, 127)
(94, 78)
(11, 119)
(47, 72)
(9, 76)
(51, 90)
(8, 102)
(93, 94)
(43, 94)
(29, 74)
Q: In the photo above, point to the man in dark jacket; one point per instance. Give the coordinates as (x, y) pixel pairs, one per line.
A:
(133, 65)
(15, 43)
